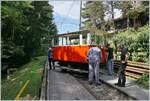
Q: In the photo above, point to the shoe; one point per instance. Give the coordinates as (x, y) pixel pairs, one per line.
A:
(90, 83)
(117, 84)
(53, 67)
(110, 74)
(97, 84)
(122, 86)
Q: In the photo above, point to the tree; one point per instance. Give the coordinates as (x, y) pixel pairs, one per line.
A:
(93, 14)
(132, 10)
(12, 32)
(124, 6)
(135, 40)
(25, 26)
(110, 11)
(138, 8)
(40, 19)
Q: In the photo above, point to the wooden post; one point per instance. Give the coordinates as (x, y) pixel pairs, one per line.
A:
(88, 38)
(81, 39)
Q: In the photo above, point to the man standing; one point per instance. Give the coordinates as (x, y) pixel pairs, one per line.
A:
(50, 58)
(124, 58)
(110, 61)
(94, 58)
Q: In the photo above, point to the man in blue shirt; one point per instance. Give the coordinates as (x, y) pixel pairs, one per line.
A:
(50, 58)
(94, 58)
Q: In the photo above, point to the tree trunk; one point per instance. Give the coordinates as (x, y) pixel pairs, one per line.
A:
(112, 12)
(13, 32)
(134, 23)
(128, 22)
(115, 50)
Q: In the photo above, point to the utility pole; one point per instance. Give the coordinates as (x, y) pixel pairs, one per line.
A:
(80, 14)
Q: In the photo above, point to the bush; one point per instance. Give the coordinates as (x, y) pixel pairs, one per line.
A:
(18, 58)
(143, 81)
(139, 57)
(135, 40)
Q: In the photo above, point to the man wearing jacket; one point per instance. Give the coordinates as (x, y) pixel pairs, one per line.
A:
(124, 58)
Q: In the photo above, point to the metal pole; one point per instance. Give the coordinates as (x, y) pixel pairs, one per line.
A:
(81, 39)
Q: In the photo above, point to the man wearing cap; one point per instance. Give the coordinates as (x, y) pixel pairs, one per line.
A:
(94, 58)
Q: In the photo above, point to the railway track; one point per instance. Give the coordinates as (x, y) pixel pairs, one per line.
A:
(110, 89)
(104, 92)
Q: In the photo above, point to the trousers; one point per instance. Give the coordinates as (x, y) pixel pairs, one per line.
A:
(110, 66)
(50, 60)
(94, 72)
(122, 77)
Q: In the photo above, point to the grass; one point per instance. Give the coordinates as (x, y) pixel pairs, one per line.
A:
(31, 71)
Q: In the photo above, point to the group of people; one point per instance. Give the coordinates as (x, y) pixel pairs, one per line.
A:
(94, 58)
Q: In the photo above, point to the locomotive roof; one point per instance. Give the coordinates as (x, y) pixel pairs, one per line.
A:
(71, 33)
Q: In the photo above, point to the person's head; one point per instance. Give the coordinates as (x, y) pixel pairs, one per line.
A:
(108, 45)
(50, 48)
(121, 46)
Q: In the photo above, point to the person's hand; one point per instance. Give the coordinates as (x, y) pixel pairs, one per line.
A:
(123, 62)
(87, 60)
(96, 61)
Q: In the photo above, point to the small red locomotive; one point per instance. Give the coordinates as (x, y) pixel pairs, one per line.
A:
(71, 49)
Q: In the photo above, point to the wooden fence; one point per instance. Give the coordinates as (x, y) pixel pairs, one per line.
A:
(134, 69)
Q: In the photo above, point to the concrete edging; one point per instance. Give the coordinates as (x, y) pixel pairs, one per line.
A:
(119, 89)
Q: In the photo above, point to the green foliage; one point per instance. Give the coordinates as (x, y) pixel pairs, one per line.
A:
(98, 39)
(143, 81)
(124, 6)
(41, 26)
(133, 10)
(31, 71)
(18, 58)
(139, 57)
(135, 41)
(135, 13)
(26, 25)
(143, 38)
(94, 13)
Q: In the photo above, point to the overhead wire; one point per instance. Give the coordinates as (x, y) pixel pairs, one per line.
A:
(70, 8)
(67, 23)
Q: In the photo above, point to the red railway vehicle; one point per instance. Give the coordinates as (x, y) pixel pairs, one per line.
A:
(71, 49)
